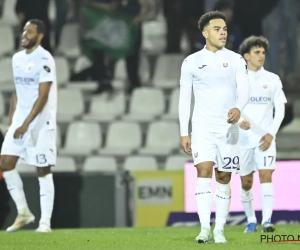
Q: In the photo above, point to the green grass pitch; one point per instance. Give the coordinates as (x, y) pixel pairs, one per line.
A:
(180, 238)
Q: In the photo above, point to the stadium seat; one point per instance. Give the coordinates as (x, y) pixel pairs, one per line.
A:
(9, 14)
(7, 40)
(62, 70)
(69, 44)
(296, 108)
(121, 73)
(26, 169)
(145, 105)
(176, 162)
(287, 141)
(6, 75)
(82, 139)
(122, 139)
(140, 163)
(293, 127)
(105, 109)
(2, 106)
(81, 63)
(173, 106)
(65, 164)
(162, 138)
(167, 72)
(58, 137)
(100, 164)
(70, 104)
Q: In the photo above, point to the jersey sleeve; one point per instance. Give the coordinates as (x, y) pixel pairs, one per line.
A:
(47, 71)
(279, 96)
(185, 95)
(243, 85)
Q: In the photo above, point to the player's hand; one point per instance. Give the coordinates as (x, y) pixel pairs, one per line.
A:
(245, 125)
(265, 142)
(20, 131)
(234, 115)
(186, 144)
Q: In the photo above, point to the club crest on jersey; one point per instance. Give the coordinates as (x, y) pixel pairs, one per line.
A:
(196, 155)
(265, 86)
(225, 65)
(29, 67)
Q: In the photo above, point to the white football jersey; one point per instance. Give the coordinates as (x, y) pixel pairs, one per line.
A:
(220, 82)
(265, 92)
(29, 71)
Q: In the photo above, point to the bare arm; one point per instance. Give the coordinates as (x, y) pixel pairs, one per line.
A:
(38, 106)
(13, 105)
(145, 10)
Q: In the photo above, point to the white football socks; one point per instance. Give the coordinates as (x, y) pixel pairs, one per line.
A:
(46, 198)
(247, 201)
(15, 187)
(204, 201)
(267, 199)
(222, 204)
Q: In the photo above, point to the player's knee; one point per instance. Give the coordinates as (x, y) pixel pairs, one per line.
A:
(204, 170)
(43, 171)
(265, 176)
(7, 163)
(247, 182)
(223, 177)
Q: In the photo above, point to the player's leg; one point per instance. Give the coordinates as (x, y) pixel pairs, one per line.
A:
(11, 151)
(43, 155)
(266, 165)
(222, 203)
(247, 167)
(46, 198)
(203, 151)
(228, 151)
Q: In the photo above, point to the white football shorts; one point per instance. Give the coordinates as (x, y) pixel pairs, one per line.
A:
(221, 148)
(37, 148)
(253, 159)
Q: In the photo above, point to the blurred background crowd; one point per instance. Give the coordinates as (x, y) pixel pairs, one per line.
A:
(118, 67)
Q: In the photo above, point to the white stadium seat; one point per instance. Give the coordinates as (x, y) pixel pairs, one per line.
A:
(69, 44)
(7, 40)
(81, 63)
(122, 139)
(62, 70)
(6, 73)
(145, 105)
(100, 164)
(70, 104)
(82, 139)
(293, 127)
(9, 14)
(105, 109)
(287, 141)
(140, 163)
(25, 168)
(162, 138)
(173, 107)
(167, 71)
(121, 73)
(58, 137)
(176, 162)
(65, 164)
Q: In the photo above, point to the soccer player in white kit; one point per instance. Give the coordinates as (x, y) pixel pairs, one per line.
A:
(258, 131)
(31, 136)
(219, 79)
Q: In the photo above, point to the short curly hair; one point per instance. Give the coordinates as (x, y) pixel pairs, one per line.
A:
(252, 42)
(207, 17)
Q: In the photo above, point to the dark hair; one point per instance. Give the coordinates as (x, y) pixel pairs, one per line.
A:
(40, 26)
(223, 5)
(253, 41)
(207, 17)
